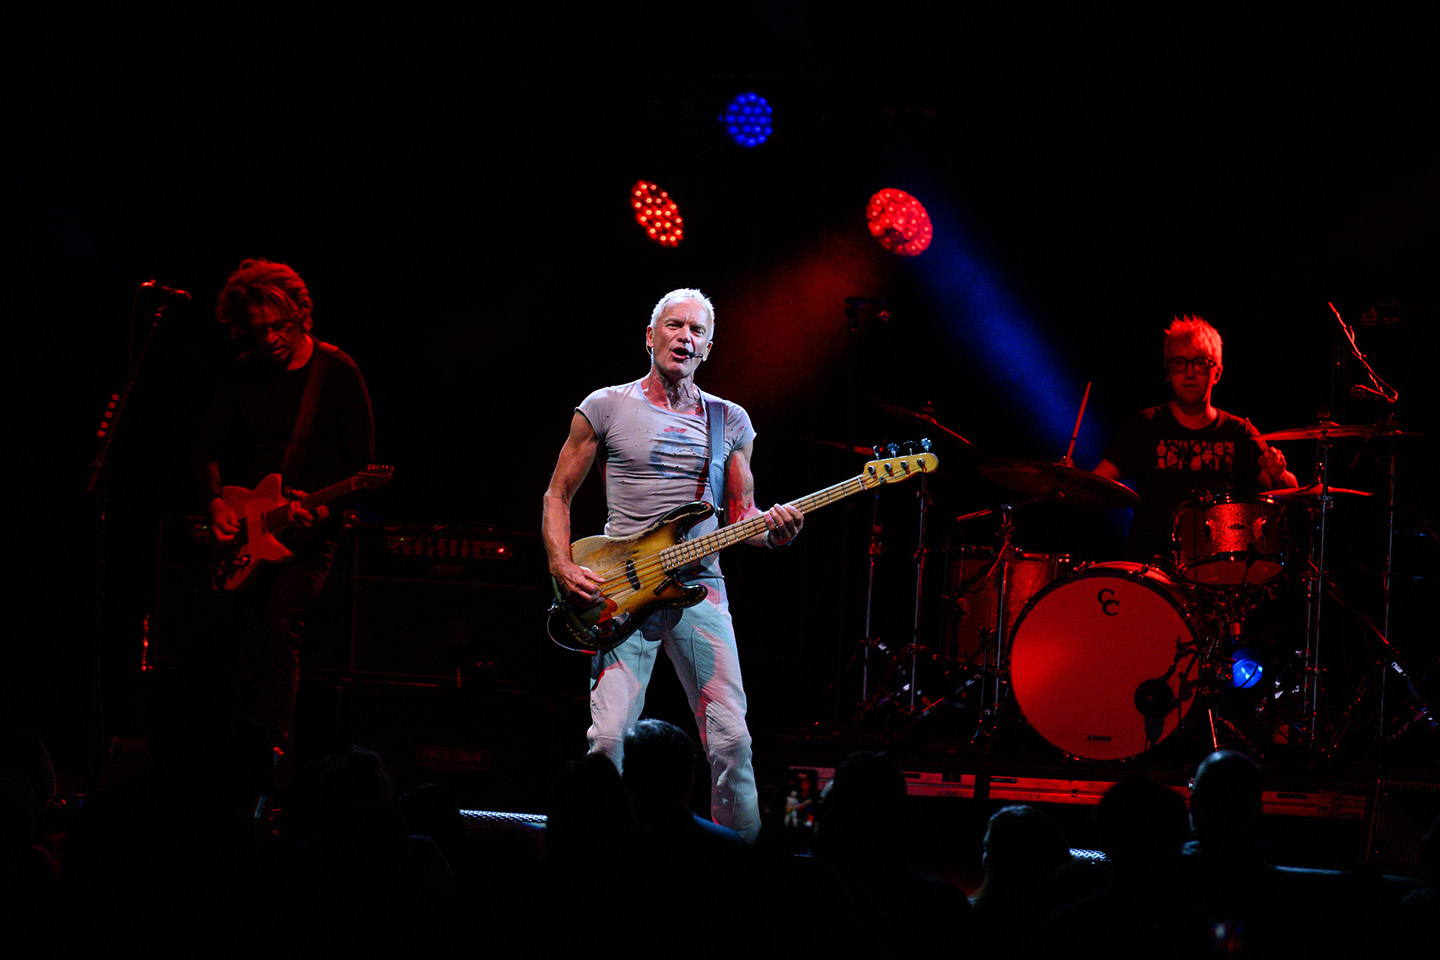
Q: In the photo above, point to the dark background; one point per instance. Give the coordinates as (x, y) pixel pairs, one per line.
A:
(453, 187)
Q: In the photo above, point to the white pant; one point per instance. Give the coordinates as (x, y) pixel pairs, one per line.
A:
(700, 642)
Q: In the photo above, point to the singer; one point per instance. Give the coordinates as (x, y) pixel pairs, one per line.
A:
(1187, 447)
(658, 437)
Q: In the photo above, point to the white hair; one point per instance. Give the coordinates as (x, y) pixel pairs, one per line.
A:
(684, 293)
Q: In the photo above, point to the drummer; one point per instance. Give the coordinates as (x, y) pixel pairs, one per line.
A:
(1187, 447)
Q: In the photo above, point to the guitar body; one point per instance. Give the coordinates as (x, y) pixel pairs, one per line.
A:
(254, 546)
(640, 574)
(263, 514)
(642, 585)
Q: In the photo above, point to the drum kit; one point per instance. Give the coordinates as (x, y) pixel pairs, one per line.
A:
(1105, 660)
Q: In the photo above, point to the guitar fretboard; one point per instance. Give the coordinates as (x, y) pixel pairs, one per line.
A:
(278, 518)
(688, 551)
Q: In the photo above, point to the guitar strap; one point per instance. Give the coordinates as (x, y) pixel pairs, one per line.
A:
(715, 429)
(294, 460)
(715, 434)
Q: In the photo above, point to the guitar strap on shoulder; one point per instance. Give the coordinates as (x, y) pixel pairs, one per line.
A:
(715, 429)
(294, 460)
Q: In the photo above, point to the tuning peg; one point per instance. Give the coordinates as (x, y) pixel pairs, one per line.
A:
(893, 450)
(925, 444)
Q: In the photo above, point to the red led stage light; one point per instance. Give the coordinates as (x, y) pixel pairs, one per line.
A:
(899, 222)
(657, 213)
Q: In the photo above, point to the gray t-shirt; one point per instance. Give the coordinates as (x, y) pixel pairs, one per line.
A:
(656, 459)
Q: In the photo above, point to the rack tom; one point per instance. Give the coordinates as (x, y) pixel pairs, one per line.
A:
(1228, 540)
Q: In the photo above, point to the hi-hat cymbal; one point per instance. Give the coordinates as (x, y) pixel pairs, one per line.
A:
(1312, 492)
(1325, 430)
(1038, 478)
(944, 431)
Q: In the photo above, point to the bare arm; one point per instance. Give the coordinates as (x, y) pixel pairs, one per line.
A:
(1107, 470)
(576, 457)
(782, 521)
(1273, 473)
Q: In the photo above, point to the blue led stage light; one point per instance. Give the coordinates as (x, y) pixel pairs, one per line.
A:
(1247, 669)
(747, 120)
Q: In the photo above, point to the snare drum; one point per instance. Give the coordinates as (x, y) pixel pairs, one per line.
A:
(1104, 662)
(973, 595)
(1224, 540)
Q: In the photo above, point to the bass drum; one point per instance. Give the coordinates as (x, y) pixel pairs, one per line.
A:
(1103, 663)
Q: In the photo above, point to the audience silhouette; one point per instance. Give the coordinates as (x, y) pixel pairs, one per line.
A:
(176, 859)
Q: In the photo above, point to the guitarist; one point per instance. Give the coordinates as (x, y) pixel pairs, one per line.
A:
(298, 407)
(654, 439)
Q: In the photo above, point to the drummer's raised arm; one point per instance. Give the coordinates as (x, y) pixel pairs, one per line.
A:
(1107, 470)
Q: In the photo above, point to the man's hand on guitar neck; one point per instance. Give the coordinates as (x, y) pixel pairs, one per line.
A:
(302, 521)
(225, 522)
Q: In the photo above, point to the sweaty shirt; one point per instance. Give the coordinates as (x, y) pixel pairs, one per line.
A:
(654, 459)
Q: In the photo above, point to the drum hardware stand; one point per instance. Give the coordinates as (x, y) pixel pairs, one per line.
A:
(917, 706)
(993, 672)
(1389, 657)
(868, 702)
(995, 655)
(1389, 661)
(1315, 581)
(1386, 426)
(923, 496)
(1219, 665)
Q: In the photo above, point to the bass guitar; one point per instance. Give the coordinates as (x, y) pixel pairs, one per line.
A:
(641, 573)
(265, 513)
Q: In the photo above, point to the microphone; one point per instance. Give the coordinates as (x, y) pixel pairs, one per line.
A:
(1154, 698)
(165, 291)
(1360, 392)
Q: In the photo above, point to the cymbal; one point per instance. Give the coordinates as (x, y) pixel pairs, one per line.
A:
(1038, 478)
(848, 447)
(926, 418)
(1324, 430)
(1312, 492)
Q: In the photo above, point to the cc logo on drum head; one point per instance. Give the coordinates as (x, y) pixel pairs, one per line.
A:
(1107, 600)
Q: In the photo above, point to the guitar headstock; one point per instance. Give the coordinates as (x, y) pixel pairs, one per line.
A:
(898, 467)
(374, 475)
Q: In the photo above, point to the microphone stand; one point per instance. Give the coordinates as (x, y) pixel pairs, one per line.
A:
(1389, 656)
(99, 487)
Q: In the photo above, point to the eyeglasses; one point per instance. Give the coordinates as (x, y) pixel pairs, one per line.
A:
(1181, 364)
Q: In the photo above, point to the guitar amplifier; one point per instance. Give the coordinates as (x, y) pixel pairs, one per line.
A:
(188, 614)
(454, 602)
(445, 603)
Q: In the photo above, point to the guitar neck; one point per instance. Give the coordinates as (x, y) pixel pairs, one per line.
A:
(278, 518)
(332, 492)
(688, 551)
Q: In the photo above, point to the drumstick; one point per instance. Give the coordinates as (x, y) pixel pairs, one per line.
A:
(1261, 443)
(1256, 437)
(1069, 453)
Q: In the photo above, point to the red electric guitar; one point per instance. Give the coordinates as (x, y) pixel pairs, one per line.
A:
(265, 513)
